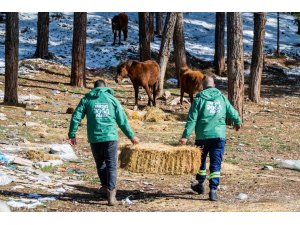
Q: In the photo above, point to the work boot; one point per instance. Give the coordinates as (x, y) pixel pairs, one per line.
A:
(102, 191)
(111, 197)
(198, 187)
(213, 195)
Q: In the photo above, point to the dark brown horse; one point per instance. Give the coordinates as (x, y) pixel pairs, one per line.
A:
(143, 74)
(120, 23)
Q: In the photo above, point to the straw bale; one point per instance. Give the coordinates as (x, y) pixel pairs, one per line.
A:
(156, 158)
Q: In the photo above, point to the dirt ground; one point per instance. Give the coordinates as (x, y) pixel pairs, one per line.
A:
(271, 130)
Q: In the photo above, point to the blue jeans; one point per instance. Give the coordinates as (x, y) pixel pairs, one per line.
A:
(106, 158)
(215, 148)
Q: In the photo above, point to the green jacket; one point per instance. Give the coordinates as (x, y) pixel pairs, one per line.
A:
(208, 113)
(103, 112)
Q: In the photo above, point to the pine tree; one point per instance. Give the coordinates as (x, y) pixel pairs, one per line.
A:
(235, 61)
(151, 25)
(144, 36)
(159, 23)
(257, 56)
(278, 35)
(165, 47)
(11, 59)
(219, 58)
(179, 45)
(42, 36)
(78, 77)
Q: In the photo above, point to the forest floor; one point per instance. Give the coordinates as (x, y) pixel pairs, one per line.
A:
(270, 131)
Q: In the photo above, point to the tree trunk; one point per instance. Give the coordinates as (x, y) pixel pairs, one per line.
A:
(179, 46)
(151, 25)
(257, 56)
(278, 36)
(144, 36)
(219, 59)
(235, 61)
(79, 50)
(42, 36)
(11, 59)
(165, 47)
(159, 23)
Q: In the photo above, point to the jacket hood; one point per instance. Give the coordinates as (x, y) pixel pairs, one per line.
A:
(209, 94)
(96, 92)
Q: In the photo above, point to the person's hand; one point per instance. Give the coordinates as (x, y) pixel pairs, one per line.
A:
(72, 141)
(183, 141)
(237, 127)
(135, 140)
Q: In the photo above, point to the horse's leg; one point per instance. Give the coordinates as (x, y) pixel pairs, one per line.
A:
(115, 36)
(191, 97)
(136, 94)
(149, 101)
(120, 37)
(125, 32)
(148, 93)
(181, 95)
(154, 90)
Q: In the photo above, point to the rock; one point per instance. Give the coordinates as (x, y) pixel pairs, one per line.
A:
(267, 167)
(27, 113)
(166, 95)
(65, 151)
(70, 110)
(4, 207)
(242, 196)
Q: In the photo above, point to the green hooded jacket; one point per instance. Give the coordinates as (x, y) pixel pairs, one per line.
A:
(208, 113)
(103, 112)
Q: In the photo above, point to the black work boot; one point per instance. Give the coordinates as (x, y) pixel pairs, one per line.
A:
(213, 195)
(102, 192)
(111, 197)
(198, 187)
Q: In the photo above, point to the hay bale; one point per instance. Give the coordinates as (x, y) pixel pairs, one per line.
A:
(155, 114)
(160, 159)
(36, 156)
(135, 114)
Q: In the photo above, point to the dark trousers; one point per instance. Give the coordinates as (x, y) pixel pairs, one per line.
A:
(215, 148)
(106, 158)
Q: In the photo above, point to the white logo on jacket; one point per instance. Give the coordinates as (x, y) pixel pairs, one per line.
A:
(101, 110)
(214, 107)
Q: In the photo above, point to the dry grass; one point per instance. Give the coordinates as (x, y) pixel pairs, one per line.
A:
(155, 114)
(37, 156)
(160, 158)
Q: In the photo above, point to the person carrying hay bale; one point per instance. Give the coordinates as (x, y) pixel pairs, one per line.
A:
(103, 112)
(207, 116)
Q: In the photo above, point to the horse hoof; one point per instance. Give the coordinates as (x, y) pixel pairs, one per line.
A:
(135, 108)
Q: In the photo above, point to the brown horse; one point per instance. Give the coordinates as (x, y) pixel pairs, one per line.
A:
(120, 23)
(190, 82)
(143, 74)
